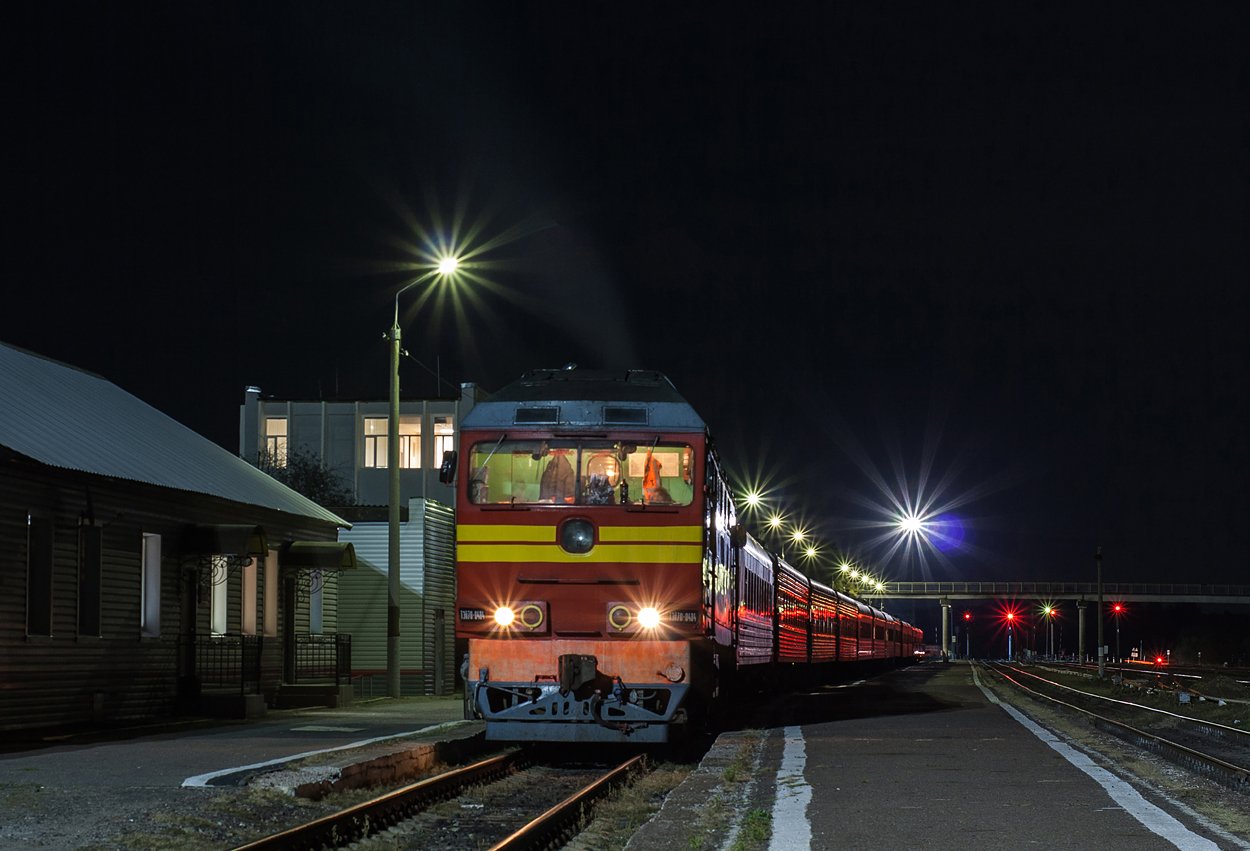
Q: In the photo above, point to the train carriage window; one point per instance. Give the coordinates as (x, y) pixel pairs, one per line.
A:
(579, 472)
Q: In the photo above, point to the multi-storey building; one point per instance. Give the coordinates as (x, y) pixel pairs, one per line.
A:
(350, 438)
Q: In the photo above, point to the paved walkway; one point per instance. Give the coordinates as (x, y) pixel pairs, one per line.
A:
(160, 756)
(949, 767)
(922, 758)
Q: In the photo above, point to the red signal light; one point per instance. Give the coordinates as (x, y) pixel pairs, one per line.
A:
(1011, 616)
(967, 616)
(1158, 660)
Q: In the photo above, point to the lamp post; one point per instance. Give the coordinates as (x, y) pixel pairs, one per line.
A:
(1050, 631)
(1011, 619)
(1118, 609)
(1102, 652)
(445, 267)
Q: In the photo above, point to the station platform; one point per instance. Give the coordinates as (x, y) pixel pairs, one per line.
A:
(925, 757)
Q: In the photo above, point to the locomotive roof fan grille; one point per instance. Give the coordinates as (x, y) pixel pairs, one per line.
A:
(537, 416)
(625, 416)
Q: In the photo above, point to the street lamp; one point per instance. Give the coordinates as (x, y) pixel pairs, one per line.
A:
(445, 267)
(1049, 611)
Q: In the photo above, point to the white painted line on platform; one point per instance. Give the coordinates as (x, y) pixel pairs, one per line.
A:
(791, 829)
(203, 779)
(1130, 800)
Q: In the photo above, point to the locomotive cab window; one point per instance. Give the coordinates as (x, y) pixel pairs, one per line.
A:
(580, 472)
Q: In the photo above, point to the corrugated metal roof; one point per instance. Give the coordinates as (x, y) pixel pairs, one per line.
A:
(66, 417)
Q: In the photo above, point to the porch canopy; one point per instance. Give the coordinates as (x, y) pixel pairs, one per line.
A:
(320, 555)
(226, 539)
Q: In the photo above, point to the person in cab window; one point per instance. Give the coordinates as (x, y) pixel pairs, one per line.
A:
(599, 490)
(557, 482)
(479, 492)
(651, 478)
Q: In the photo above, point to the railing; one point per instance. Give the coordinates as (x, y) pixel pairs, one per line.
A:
(224, 662)
(1043, 588)
(323, 658)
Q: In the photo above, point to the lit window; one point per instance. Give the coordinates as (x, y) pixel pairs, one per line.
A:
(271, 593)
(444, 438)
(247, 620)
(275, 440)
(150, 612)
(375, 442)
(584, 472)
(219, 595)
(315, 600)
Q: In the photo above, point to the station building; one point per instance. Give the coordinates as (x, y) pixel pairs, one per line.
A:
(349, 437)
(144, 569)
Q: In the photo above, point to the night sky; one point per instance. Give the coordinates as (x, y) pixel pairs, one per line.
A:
(1010, 239)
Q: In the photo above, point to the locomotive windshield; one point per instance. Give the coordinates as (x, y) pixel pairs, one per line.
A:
(580, 472)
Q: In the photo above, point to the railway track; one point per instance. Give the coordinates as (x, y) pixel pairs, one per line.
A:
(1189, 741)
(563, 797)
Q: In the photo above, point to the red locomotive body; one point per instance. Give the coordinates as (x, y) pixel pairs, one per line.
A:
(604, 587)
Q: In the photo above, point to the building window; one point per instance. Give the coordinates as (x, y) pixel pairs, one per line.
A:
(38, 575)
(150, 613)
(444, 438)
(276, 440)
(315, 603)
(271, 593)
(247, 624)
(220, 592)
(90, 563)
(375, 442)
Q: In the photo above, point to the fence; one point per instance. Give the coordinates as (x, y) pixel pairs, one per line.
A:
(225, 662)
(323, 659)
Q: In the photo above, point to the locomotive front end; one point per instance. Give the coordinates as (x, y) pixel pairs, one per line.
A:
(580, 544)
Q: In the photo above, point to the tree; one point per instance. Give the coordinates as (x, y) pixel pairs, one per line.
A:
(306, 474)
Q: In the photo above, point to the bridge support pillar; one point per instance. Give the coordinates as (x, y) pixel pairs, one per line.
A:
(1080, 631)
(946, 628)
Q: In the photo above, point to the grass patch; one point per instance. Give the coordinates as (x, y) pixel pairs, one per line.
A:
(756, 829)
(741, 768)
(19, 795)
(628, 808)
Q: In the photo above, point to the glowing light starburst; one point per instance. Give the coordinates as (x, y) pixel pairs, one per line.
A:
(915, 518)
(447, 267)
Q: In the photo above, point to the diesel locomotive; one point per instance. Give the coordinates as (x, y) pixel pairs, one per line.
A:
(605, 588)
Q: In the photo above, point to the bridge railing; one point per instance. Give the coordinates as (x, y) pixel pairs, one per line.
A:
(1090, 589)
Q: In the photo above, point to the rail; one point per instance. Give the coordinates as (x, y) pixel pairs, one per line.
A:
(1230, 775)
(560, 823)
(1061, 590)
(365, 819)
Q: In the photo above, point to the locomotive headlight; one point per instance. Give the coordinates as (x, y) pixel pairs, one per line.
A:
(648, 618)
(504, 616)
